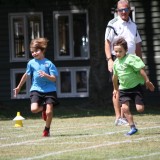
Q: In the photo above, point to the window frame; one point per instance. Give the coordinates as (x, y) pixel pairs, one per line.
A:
(73, 92)
(56, 38)
(13, 73)
(24, 16)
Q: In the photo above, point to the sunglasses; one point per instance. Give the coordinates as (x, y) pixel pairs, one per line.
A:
(123, 9)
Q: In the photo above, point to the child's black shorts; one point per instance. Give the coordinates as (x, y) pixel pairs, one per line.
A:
(135, 94)
(44, 98)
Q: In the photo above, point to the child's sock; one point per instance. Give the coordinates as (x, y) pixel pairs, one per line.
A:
(47, 129)
(132, 126)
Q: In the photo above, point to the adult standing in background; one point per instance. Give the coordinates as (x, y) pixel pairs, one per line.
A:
(121, 26)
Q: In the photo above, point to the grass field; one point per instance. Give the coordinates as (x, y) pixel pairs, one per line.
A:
(88, 137)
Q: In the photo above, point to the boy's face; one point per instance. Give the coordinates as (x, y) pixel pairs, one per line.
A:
(37, 53)
(119, 51)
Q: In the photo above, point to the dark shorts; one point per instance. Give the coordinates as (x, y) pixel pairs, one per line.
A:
(44, 98)
(135, 94)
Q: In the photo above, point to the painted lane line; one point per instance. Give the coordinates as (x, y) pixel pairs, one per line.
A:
(86, 148)
(138, 157)
(79, 136)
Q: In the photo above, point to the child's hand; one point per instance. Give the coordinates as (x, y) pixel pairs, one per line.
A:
(150, 86)
(41, 73)
(16, 91)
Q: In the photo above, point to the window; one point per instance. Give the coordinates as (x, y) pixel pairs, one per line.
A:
(73, 82)
(71, 42)
(16, 75)
(23, 28)
(71, 35)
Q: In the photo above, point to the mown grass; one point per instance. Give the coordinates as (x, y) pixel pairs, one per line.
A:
(81, 134)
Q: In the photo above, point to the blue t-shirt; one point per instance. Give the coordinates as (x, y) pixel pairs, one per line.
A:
(41, 84)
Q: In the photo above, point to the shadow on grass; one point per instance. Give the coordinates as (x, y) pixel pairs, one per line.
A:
(69, 135)
(68, 109)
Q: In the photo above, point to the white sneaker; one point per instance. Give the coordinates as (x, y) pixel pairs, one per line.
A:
(121, 122)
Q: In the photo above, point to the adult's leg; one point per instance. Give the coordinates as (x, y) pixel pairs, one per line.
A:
(120, 120)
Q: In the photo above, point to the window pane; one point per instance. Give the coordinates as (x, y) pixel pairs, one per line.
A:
(23, 28)
(80, 35)
(81, 81)
(63, 35)
(34, 26)
(19, 50)
(65, 82)
(18, 78)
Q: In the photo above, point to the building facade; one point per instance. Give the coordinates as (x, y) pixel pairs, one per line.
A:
(75, 30)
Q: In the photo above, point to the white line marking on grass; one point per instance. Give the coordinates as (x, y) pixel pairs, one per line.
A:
(3, 138)
(86, 148)
(59, 143)
(72, 136)
(26, 142)
(137, 157)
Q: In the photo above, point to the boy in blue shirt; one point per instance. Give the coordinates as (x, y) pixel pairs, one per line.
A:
(43, 88)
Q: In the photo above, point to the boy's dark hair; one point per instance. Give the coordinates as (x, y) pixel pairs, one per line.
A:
(39, 43)
(121, 42)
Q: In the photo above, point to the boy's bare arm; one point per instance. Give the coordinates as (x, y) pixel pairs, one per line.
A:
(115, 85)
(22, 81)
(149, 84)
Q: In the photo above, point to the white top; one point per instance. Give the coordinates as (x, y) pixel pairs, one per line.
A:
(119, 28)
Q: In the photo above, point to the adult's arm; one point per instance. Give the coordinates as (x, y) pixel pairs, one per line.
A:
(108, 55)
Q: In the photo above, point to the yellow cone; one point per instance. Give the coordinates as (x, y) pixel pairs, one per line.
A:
(18, 120)
(18, 123)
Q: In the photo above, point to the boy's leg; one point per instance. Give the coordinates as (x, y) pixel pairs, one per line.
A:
(35, 101)
(35, 108)
(44, 116)
(49, 116)
(129, 116)
(127, 113)
(140, 108)
(116, 105)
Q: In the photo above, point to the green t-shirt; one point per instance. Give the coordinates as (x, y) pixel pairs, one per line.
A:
(128, 71)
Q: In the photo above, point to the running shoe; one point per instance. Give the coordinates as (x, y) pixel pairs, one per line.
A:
(46, 133)
(121, 122)
(132, 131)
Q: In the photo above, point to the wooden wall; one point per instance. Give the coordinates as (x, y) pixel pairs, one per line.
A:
(147, 19)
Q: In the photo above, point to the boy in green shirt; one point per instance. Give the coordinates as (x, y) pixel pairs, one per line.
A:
(128, 69)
